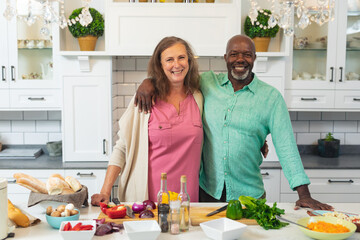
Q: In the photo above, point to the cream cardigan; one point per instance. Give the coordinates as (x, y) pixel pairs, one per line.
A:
(131, 152)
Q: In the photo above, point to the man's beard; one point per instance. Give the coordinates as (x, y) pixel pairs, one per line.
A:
(240, 77)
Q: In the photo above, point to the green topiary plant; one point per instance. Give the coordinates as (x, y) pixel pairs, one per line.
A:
(329, 137)
(255, 30)
(95, 28)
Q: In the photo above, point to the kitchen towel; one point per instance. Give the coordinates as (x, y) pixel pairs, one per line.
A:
(79, 198)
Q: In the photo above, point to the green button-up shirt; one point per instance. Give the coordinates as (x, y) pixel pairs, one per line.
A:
(236, 125)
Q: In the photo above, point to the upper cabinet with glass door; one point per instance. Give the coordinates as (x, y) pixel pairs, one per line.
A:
(325, 62)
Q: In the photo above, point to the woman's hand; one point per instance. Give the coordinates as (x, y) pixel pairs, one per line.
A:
(97, 198)
(145, 96)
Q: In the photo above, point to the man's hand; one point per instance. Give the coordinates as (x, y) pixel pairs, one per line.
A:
(145, 96)
(96, 199)
(265, 149)
(305, 200)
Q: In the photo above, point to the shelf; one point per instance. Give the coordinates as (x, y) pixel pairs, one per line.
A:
(83, 53)
(35, 48)
(353, 13)
(353, 49)
(310, 49)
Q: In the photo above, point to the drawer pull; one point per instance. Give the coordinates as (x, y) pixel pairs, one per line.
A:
(11, 181)
(356, 99)
(3, 72)
(332, 74)
(104, 147)
(309, 99)
(36, 99)
(340, 181)
(265, 174)
(341, 72)
(12, 73)
(85, 174)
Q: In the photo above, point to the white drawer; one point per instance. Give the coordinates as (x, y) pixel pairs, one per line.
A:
(4, 98)
(309, 99)
(35, 98)
(347, 99)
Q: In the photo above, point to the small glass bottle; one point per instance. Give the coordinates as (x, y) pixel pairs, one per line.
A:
(184, 199)
(175, 217)
(163, 198)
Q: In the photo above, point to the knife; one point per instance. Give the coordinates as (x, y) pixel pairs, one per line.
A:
(129, 212)
(217, 211)
(116, 201)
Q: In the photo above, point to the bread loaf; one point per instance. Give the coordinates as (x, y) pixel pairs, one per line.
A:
(74, 183)
(58, 176)
(17, 216)
(30, 182)
(67, 191)
(55, 186)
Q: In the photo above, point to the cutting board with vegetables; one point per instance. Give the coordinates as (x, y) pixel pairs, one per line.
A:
(198, 215)
(126, 218)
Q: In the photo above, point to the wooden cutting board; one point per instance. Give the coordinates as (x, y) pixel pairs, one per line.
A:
(197, 216)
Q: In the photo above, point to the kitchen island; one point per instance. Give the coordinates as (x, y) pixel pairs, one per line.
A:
(291, 232)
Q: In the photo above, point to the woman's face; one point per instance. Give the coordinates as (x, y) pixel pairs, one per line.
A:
(175, 63)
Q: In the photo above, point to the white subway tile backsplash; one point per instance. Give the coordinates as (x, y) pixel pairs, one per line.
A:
(55, 137)
(118, 77)
(142, 64)
(125, 64)
(47, 126)
(12, 138)
(134, 77)
(35, 115)
(309, 116)
(22, 126)
(114, 89)
(333, 116)
(36, 138)
(217, 64)
(5, 126)
(54, 115)
(204, 64)
(10, 115)
(345, 126)
(353, 116)
(126, 89)
(300, 126)
(307, 138)
(128, 99)
(352, 138)
(118, 101)
(321, 126)
(293, 116)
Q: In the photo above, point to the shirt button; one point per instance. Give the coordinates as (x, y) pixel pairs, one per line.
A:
(225, 173)
(234, 94)
(225, 141)
(224, 158)
(224, 125)
(228, 109)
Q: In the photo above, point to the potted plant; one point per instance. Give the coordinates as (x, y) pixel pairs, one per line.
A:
(260, 32)
(86, 35)
(329, 146)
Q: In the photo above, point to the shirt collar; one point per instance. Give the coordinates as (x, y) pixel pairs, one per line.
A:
(253, 86)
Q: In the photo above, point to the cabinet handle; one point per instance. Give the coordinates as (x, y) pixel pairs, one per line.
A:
(12, 73)
(3, 72)
(340, 181)
(11, 181)
(104, 146)
(356, 99)
(308, 99)
(265, 174)
(332, 74)
(341, 70)
(36, 99)
(85, 174)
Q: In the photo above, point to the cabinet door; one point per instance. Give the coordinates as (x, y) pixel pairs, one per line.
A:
(4, 63)
(92, 179)
(271, 179)
(86, 118)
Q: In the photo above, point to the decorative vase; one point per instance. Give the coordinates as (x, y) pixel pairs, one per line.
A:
(143, 0)
(210, 1)
(87, 43)
(329, 149)
(261, 43)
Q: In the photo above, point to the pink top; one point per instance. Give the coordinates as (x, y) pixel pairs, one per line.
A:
(175, 146)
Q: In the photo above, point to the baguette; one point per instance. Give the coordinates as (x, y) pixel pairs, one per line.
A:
(30, 182)
(55, 186)
(17, 216)
(58, 176)
(67, 191)
(74, 183)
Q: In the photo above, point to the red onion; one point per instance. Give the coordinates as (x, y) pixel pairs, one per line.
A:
(146, 214)
(149, 204)
(138, 207)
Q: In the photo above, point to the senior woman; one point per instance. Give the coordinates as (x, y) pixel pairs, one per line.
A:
(167, 140)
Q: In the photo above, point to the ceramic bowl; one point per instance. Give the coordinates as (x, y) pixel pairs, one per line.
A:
(55, 222)
(78, 235)
(327, 236)
(223, 229)
(142, 230)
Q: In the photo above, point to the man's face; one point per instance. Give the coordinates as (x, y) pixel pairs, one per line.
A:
(240, 57)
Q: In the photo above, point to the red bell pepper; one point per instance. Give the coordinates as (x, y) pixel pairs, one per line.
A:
(118, 211)
(77, 227)
(104, 207)
(86, 227)
(67, 227)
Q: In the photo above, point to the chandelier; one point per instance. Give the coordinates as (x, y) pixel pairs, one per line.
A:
(317, 11)
(31, 11)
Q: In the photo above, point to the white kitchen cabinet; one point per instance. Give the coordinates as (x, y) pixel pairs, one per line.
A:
(271, 179)
(326, 71)
(26, 62)
(93, 179)
(327, 186)
(86, 110)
